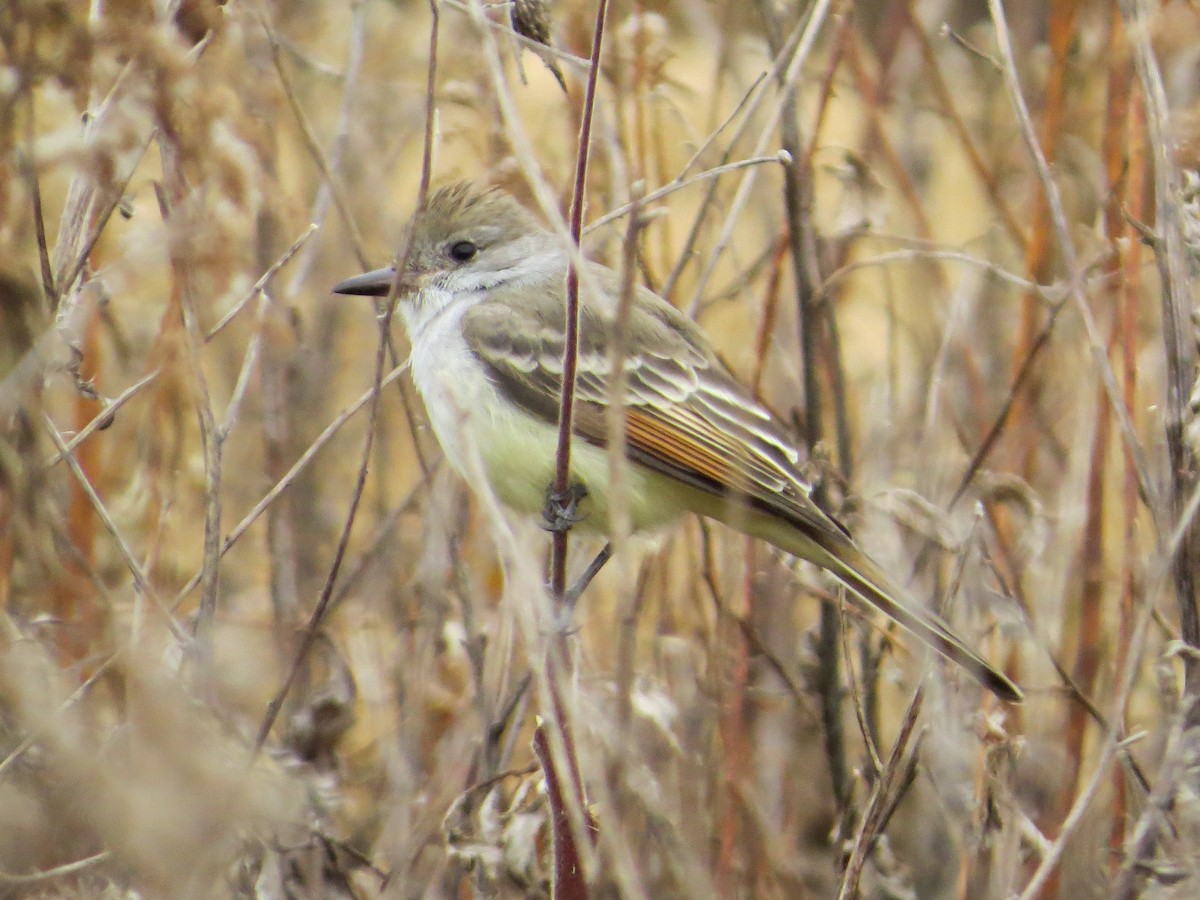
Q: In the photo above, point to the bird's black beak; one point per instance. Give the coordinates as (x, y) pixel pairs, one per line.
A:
(370, 284)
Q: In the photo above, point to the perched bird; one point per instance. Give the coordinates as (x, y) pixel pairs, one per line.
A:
(483, 297)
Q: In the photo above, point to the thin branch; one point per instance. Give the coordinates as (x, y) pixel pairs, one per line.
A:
(1075, 283)
(341, 133)
(141, 583)
(753, 98)
(566, 407)
(1049, 293)
(626, 208)
(71, 868)
(879, 805)
(502, 27)
(311, 630)
(314, 147)
(115, 194)
(813, 23)
(1110, 743)
(557, 752)
(175, 214)
(103, 420)
(290, 476)
(263, 280)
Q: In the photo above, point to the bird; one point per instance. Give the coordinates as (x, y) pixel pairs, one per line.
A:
(483, 298)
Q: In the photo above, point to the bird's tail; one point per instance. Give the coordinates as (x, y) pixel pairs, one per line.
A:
(840, 556)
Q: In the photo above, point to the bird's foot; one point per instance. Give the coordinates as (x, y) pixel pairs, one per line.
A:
(561, 512)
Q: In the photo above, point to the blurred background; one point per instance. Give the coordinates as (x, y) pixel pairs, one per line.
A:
(185, 409)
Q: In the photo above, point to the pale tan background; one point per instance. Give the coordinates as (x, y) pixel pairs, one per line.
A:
(118, 750)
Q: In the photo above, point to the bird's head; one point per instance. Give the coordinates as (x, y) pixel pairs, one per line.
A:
(467, 239)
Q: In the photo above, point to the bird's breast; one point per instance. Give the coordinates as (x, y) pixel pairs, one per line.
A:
(478, 427)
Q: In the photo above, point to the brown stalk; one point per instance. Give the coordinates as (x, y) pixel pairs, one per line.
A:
(1089, 636)
(566, 409)
(814, 321)
(894, 777)
(786, 71)
(731, 725)
(289, 478)
(282, 542)
(81, 611)
(355, 56)
(312, 628)
(568, 875)
(1061, 28)
(866, 729)
(845, 34)
(1099, 357)
(286, 405)
(879, 142)
(1172, 259)
(1131, 262)
(381, 544)
(1115, 152)
(1089, 607)
(1178, 334)
(570, 879)
(313, 146)
(741, 756)
(141, 582)
(871, 91)
(1077, 296)
(29, 171)
(766, 322)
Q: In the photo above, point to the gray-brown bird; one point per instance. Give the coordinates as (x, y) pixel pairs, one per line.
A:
(483, 297)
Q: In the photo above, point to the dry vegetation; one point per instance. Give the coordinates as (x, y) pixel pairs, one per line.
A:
(998, 345)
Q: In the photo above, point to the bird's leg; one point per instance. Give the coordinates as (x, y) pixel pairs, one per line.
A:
(571, 597)
(561, 511)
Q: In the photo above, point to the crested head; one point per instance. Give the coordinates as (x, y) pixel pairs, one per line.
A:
(471, 239)
(467, 207)
(467, 240)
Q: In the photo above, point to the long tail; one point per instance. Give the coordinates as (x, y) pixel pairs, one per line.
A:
(841, 557)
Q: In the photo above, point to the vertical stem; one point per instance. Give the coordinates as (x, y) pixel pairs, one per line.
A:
(802, 247)
(569, 880)
(566, 407)
(1130, 285)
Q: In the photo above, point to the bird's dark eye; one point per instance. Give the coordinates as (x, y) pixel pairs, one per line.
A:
(463, 251)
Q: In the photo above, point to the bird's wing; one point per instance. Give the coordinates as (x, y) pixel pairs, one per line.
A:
(686, 416)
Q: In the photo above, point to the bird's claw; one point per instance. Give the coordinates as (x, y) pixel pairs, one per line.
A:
(561, 511)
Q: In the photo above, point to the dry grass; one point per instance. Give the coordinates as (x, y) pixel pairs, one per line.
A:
(999, 359)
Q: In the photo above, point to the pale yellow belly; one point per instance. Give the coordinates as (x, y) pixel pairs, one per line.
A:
(516, 449)
(518, 455)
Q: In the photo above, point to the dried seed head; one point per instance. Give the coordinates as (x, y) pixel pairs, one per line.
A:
(531, 19)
